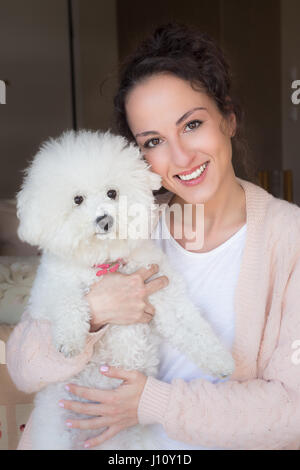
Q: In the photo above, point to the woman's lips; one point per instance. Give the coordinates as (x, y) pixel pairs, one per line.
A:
(195, 181)
(188, 172)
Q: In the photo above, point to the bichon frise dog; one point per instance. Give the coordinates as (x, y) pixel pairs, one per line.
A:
(78, 194)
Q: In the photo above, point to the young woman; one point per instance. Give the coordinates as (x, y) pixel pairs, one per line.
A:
(174, 101)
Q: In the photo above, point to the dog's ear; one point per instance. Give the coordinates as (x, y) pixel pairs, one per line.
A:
(155, 181)
(29, 229)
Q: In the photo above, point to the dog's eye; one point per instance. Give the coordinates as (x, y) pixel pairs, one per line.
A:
(78, 200)
(112, 194)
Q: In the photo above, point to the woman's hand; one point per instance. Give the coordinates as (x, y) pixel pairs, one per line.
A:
(115, 409)
(122, 299)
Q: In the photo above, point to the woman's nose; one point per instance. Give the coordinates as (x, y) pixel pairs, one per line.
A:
(181, 155)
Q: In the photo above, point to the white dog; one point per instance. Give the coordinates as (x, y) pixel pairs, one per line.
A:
(71, 205)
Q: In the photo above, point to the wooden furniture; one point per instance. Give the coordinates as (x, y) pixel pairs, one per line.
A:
(277, 182)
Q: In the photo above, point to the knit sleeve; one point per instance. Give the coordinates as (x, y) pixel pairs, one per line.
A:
(32, 360)
(260, 413)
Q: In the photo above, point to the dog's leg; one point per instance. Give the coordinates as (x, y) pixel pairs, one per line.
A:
(70, 327)
(48, 422)
(57, 295)
(127, 439)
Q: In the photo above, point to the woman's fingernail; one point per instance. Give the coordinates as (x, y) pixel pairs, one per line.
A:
(86, 445)
(69, 424)
(67, 388)
(104, 369)
(61, 404)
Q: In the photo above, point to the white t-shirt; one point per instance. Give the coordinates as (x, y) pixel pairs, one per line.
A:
(211, 279)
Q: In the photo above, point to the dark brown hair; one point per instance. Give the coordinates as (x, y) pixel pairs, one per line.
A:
(193, 56)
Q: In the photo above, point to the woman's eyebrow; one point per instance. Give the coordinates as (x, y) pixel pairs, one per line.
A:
(143, 134)
(188, 113)
(182, 118)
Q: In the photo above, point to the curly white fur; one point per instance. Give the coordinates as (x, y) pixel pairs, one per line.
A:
(89, 164)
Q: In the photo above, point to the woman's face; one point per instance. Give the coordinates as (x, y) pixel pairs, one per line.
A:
(179, 130)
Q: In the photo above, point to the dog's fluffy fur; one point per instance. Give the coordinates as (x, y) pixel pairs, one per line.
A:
(89, 164)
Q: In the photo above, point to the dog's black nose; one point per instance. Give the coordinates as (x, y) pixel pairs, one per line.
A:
(105, 222)
(100, 218)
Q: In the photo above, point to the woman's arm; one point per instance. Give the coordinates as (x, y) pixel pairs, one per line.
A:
(255, 414)
(32, 360)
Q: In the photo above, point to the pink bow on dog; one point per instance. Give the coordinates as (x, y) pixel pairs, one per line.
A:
(110, 267)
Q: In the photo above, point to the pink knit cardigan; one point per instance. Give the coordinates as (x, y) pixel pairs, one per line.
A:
(259, 407)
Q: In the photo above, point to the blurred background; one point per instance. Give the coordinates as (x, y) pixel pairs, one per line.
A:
(59, 61)
(59, 70)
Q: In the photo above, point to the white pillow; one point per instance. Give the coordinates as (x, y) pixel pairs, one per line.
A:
(16, 278)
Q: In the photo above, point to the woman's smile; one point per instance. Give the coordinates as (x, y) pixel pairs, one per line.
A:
(194, 176)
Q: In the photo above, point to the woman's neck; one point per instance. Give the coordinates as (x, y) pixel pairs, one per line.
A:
(223, 215)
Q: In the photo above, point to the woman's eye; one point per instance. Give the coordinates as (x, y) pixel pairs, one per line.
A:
(193, 124)
(151, 143)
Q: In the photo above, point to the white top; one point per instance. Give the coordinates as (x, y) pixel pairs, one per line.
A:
(211, 279)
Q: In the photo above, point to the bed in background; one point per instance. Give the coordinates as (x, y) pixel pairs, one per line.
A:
(18, 263)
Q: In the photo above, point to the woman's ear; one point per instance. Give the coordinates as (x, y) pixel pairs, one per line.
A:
(231, 120)
(232, 123)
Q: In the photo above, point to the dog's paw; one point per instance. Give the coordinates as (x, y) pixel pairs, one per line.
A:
(223, 368)
(69, 350)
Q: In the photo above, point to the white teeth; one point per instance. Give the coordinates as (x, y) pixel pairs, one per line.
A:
(195, 173)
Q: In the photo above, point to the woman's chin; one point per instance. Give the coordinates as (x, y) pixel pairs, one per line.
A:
(194, 196)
